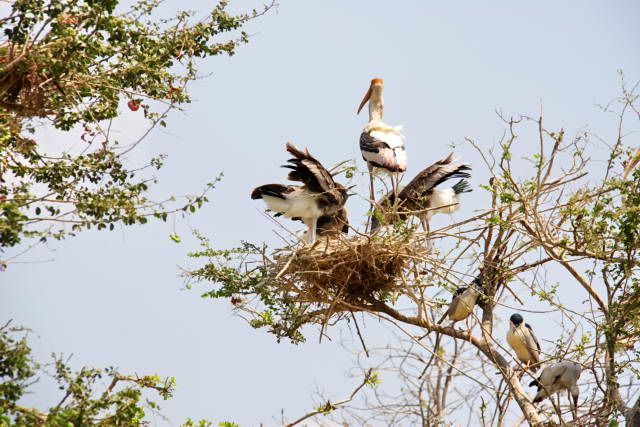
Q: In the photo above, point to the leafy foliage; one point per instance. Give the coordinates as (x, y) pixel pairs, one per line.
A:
(121, 400)
(72, 65)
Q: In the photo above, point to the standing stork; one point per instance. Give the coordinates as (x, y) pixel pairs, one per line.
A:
(320, 195)
(522, 340)
(421, 198)
(557, 377)
(381, 145)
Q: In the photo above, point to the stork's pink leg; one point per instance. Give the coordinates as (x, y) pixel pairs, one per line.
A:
(372, 196)
(312, 224)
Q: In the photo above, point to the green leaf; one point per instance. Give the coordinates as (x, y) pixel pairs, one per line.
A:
(175, 238)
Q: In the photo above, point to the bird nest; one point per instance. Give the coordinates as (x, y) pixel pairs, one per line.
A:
(346, 272)
(25, 89)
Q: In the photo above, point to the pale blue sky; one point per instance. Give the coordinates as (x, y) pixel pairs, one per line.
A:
(115, 299)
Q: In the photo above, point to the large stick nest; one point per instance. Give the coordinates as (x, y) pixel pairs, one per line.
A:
(345, 272)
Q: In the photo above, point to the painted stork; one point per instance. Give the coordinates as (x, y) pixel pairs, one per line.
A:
(381, 145)
(557, 377)
(320, 195)
(522, 340)
(421, 198)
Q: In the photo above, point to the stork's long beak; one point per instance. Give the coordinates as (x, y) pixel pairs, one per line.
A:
(365, 99)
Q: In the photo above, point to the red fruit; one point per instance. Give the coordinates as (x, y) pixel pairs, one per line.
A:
(134, 104)
(3, 197)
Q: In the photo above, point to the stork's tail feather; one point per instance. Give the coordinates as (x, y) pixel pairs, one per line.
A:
(535, 383)
(275, 190)
(462, 186)
(459, 171)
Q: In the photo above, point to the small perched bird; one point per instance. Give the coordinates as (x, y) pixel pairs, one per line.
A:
(462, 304)
(557, 377)
(522, 340)
(320, 195)
(381, 145)
(421, 198)
(464, 300)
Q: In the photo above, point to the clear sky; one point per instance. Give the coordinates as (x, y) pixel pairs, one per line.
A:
(115, 298)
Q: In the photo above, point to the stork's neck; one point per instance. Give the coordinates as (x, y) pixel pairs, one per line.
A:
(376, 104)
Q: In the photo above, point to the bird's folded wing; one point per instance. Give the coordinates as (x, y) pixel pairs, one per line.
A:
(532, 342)
(308, 170)
(371, 144)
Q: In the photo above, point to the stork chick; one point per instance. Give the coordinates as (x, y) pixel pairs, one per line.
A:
(320, 195)
(381, 145)
(557, 377)
(329, 225)
(522, 340)
(421, 198)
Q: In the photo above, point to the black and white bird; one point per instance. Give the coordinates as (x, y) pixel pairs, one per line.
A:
(522, 340)
(381, 145)
(462, 304)
(464, 300)
(556, 378)
(320, 195)
(421, 197)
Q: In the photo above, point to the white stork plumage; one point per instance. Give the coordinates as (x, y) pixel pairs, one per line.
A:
(557, 377)
(523, 341)
(381, 145)
(320, 195)
(421, 197)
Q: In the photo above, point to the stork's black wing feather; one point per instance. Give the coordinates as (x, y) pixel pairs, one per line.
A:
(308, 170)
(275, 190)
(371, 144)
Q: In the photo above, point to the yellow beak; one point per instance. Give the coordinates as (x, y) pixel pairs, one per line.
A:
(365, 99)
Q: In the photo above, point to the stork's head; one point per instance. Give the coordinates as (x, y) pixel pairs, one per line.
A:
(516, 319)
(374, 88)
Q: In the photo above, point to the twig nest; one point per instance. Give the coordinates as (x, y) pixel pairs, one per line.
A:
(349, 270)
